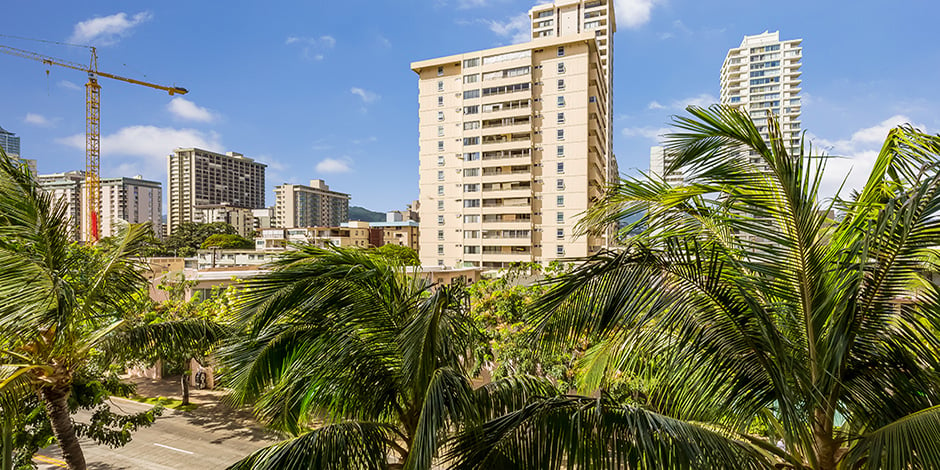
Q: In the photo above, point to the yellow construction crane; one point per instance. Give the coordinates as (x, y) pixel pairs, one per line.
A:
(92, 124)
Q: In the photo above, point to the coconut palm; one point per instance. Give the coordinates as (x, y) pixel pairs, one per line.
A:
(358, 360)
(62, 304)
(783, 323)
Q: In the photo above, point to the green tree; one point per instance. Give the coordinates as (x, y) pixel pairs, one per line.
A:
(63, 304)
(401, 254)
(227, 241)
(357, 360)
(188, 237)
(793, 335)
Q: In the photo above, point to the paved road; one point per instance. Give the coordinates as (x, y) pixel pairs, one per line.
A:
(176, 440)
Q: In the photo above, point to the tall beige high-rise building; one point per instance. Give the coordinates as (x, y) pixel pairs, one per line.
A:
(198, 178)
(296, 205)
(515, 142)
(659, 161)
(762, 76)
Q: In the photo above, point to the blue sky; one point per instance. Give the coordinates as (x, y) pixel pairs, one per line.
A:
(324, 90)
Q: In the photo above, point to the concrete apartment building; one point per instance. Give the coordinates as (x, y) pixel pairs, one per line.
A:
(240, 218)
(67, 187)
(297, 205)
(400, 228)
(352, 234)
(133, 200)
(762, 76)
(200, 178)
(10, 144)
(515, 142)
(659, 160)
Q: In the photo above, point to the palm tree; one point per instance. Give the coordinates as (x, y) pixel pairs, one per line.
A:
(62, 304)
(762, 317)
(358, 360)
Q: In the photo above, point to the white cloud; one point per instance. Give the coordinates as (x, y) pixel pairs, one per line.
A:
(69, 85)
(367, 96)
(651, 133)
(38, 120)
(383, 41)
(655, 105)
(107, 30)
(703, 100)
(853, 158)
(464, 4)
(189, 111)
(146, 146)
(516, 28)
(634, 13)
(334, 165)
(312, 48)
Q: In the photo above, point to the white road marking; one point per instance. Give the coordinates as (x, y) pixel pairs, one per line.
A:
(173, 448)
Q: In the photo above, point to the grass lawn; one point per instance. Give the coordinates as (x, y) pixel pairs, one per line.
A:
(165, 402)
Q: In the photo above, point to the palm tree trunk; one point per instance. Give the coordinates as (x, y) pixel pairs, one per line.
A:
(184, 383)
(825, 446)
(57, 409)
(6, 441)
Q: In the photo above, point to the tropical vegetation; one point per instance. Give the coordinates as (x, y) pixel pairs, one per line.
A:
(776, 329)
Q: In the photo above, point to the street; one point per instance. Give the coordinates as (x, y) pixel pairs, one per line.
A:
(177, 440)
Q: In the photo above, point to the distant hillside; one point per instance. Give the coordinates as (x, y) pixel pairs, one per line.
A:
(365, 215)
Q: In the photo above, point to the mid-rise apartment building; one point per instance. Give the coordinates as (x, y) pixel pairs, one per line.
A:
(762, 76)
(200, 178)
(660, 159)
(514, 143)
(133, 200)
(241, 219)
(67, 187)
(297, 205)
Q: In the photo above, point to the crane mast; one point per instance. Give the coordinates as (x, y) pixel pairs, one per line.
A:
(92, 203)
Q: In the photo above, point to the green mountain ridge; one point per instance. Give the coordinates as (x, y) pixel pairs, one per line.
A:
(365, 215)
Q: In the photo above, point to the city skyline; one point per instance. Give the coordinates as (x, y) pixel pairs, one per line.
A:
(317, 93)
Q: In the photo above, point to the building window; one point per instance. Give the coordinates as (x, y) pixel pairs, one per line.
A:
(561, 134)
(471, 140)
(560, 150)
(440, 115)
(471, 125)
(440, 249)
(545, 14)
(471, 188)
(471, 94)
(440, 101)
(472, 78)
(471, 156)
(560, 201)
(471, 234)
(560, 168)
(560, 184)
(440, 85)
(440, 235)
(440, 205)
(471, 172)
(561, 51)
(471, 62)
(440, 220)
(440, 262)
(560, 234)
(561, 118)
(471, 219)
(440, 131)
(560, 250)
(561, 84)
(471, 203)
(440, 71)
(440, 145)
(560, 217)
(561, 101)
(471, 109)
(561, 67)
(471, 250)
(440, 175)
(440, 190)
(440, 160)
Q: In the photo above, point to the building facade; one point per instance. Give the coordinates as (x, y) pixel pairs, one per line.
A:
(133, 200)
(238, 217)
(297, 205)
(659, 161)
(67, 187)
(200, 178)
(10, 143)
(514, 144)
(762, 76)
